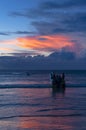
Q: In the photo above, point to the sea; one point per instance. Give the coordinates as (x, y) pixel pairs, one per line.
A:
(28, 102)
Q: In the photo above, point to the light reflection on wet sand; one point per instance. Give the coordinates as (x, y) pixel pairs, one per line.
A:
(42, 109)
(44, 123)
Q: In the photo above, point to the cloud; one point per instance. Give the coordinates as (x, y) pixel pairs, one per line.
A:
(14, 14)
(57, 16)
(8, 46)
(56, 60)
(41, 44)
(6, 49)
(66, 23)
(63, 55)
(46, 8)
(76, 23)
(54, 21)
(23, 32)
(12, 41)
(21, 54)
(45, 43)
(4, 33)
(17, 33)
(53, 4)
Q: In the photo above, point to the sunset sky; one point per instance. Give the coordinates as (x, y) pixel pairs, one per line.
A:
(32, 28)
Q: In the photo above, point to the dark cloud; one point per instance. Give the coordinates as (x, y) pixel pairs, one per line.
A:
(53, 4)
(33, 14)
(4, 33)
(52, 17)
(56, 60)
(44, 27)
(23, 32)
(14, 14)
(62, 24)
(63, 55)
(76, 23)
(21, 53)
(17, 33)
(57, 16)
(76, 3)
(49, 5)
(42, 39)
(69, 23)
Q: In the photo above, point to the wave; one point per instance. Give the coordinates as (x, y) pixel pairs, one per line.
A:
(41, 116)
(39, 86)
(24, 86)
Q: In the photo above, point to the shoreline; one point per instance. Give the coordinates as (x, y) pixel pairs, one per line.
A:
(40, 86)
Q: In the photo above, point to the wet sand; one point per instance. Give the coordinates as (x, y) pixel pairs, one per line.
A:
(42, 109)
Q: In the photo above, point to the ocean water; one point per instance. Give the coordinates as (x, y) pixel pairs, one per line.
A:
(41, 78)
(27, 102)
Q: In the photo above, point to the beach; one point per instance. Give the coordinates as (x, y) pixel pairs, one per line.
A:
(30, 103)
(43, 65)
(40, 108)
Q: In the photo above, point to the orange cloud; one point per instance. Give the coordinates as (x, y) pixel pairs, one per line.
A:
(9, 42)
(8, 46)
(45, 42)
(39, 44)
(5, 49)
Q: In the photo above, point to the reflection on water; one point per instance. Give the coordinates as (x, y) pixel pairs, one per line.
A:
(58, 92)
(44, 123)
(37, 109)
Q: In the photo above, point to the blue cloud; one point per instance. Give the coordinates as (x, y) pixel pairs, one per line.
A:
(57, 16)
(57, 60)
(4, 33)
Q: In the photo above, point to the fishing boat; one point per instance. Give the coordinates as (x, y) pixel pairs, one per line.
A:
(58, 82)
